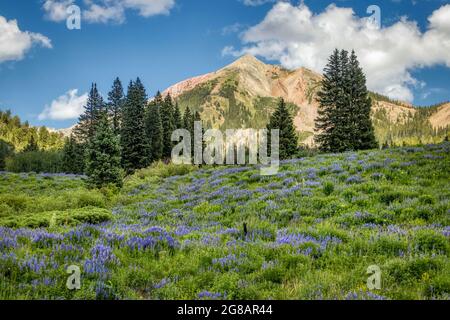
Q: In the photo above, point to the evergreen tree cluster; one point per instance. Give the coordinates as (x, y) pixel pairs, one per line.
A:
(124, 134)
(344, 121)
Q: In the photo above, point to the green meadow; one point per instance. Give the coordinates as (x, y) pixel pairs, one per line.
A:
(180, 232)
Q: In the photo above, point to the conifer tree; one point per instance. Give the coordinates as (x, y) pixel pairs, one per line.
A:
(363, 133)
(135, 149)
(73, 157)
(168, 125)
(282, 119)
(188, 124)
(177, 120)
(103, 156)
(116, 99)
(344, 113)
(188, 120)
(87, 122)
(154, 132)
(158, 101)
(329, 98)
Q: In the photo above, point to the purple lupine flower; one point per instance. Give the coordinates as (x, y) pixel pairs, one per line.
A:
(34, 264)
(354, 179)
(336, 168)
(162, 283)
(211, 295)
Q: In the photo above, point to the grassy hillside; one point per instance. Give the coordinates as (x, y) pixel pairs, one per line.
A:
(18, 134)
(177, 232)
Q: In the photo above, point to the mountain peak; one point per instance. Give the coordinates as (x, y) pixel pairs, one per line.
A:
(246, 60)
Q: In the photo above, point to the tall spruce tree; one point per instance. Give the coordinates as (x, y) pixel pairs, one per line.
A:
(363, 133)
(177, 119)
(158, 101)
(188, 120)
(344, 106)
(103, 165)
(282, 119)
(87, 122)
(154, 132)
(116, 100)
(188, 124)
(168, 125)
(135, 149)
(329, 97)
(73, 157)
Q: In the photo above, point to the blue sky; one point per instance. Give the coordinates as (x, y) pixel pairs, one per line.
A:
(41, 60)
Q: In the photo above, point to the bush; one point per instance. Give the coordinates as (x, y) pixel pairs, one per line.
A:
(410, 271)
(388, 197)
(35, 161)
(159, 169)
(13, 201)
(438, 288)
(71, 217)
(430, 241)
(328, 188)
(87, 198)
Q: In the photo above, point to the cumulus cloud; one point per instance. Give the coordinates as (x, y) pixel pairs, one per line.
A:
(56, 10)
(104, 14)
(105, 11)
(68, 106)
(295, 36)
(14, 43)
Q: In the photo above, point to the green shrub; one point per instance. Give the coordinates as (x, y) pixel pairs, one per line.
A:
(87, 198)
(328, 188)
(14, 202)
(438, 288)
(35, 161)
(388, 197)
(410, 271)
(159, 169)
(426, 199)
(428, 241)
(70, 217)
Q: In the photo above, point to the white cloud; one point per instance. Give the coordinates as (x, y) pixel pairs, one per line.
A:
(104, 14)
(56, 10)
(440, 19)
(149, 8)
(255, 3)
(14, 43)
(105, 11)
(68, 106)
(296, 37)
(234, 28)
